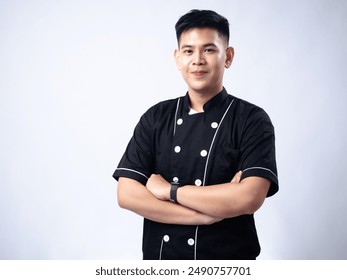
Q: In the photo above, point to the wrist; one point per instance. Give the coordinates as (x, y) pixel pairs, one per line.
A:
(173, 192)
(167, 192)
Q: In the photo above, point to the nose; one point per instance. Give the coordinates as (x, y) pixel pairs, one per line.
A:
(198, 58)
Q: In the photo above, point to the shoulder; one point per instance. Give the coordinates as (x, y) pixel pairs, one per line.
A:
(246, 107)
(164, 105)
(248, 110)
(161, 110)
(249, 116)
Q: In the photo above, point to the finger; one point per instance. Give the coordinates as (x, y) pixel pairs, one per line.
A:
(237, 177)
(239, 174)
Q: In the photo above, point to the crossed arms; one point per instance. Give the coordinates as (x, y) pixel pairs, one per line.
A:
(197, 205)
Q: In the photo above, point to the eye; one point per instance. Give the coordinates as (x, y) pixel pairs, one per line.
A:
(187, 51)
(209, 50)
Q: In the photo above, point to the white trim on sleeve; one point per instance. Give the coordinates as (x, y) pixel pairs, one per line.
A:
(258, 167)
(127, 169)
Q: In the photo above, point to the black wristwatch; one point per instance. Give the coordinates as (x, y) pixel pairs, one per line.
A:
(173, 192)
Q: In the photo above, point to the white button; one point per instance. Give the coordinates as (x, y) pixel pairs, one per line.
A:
(191, 241)
(177, 149)
(179, 121)
(166, 238)
(198, 182)
(214, 125)
(203, 153)
(175, 179)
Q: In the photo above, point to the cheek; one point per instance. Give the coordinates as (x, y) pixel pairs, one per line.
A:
(184, 63)
(218, 68)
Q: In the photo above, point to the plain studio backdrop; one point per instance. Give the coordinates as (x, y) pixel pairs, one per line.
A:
(75, 77)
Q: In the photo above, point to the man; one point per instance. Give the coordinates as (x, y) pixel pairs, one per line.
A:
(199, 166)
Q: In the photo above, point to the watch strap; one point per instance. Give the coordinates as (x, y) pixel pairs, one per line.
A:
(173, 192)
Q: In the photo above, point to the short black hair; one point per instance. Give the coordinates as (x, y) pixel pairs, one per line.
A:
(202, 19)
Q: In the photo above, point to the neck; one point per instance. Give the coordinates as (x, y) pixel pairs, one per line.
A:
(198, 100)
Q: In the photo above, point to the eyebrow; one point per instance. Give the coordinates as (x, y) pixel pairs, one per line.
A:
(205, 45)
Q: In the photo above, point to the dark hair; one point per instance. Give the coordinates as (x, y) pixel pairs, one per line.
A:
(202, 19)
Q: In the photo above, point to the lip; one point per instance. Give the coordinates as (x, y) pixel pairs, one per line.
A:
(198, 73)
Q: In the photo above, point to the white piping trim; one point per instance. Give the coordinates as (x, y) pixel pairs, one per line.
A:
(214, 137)
(196, 241)
(161, 248)
(258, 167)
(127, 169)
(178, 103)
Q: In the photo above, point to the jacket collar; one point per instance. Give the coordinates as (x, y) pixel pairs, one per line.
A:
(215, 101)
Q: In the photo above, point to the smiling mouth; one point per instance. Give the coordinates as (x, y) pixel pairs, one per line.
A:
(198, 73)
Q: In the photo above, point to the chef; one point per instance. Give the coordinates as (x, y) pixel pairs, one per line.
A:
(199, 166)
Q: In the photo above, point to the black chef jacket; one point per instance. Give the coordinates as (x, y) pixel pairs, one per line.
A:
(202, 149)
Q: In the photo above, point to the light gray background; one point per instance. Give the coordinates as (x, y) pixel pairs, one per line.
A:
(75, 76)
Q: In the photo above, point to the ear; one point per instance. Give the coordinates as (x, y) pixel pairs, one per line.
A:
(229, 56)
(177, 59)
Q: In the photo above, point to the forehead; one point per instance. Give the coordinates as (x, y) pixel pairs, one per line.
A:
(201, 36)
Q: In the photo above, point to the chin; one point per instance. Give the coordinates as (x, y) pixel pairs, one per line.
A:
(202, 89)
(199, 87)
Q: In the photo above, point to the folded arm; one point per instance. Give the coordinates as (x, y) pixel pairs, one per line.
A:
(223, 200)
(133, 196)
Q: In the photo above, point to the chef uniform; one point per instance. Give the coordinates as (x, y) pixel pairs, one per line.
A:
(202, 149)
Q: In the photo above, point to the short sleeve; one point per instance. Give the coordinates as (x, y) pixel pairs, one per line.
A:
(138, 162)
(258, 156)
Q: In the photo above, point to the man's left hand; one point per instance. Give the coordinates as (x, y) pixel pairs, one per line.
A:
(159, 187)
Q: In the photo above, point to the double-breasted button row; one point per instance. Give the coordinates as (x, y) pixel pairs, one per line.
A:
(213, 124)
(197, 182)
(190, 241)
(177, 149)
(203, 153)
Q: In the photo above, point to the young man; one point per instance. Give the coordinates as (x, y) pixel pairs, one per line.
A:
(199, 166)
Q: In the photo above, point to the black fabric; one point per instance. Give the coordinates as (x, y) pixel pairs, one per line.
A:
(203, 149)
